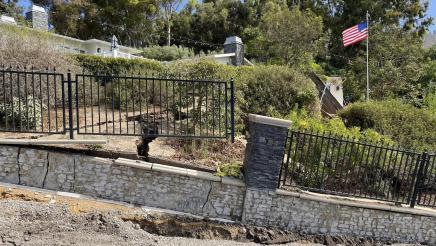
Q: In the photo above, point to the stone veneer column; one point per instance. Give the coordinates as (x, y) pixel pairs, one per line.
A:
(263, 159)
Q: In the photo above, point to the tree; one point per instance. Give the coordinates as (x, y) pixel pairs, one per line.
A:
(205, 26)
(169, 8)
(10, 8)
(284, 36)
(395, 64)
(132, 21)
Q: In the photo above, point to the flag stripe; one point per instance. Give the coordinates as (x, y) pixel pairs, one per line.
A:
(350, 30)
(355, 34)
(355, 41)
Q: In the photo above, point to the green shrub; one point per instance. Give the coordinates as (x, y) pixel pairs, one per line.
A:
(275, 91)
(229, 170)
(411, 127)
(167, 53)
(21, 114)
(117, 66)
(302, 121)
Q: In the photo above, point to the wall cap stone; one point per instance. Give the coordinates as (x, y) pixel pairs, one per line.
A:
(169, 169)
(177, 170)
(269, 120)
(133, 163)
(358, 204)
(202, 175)
(232, 181)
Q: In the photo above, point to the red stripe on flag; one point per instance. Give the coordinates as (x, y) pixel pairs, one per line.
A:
(357, 35)
(356, 40)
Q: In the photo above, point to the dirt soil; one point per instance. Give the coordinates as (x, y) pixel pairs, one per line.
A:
(43, 218)
(205, 154)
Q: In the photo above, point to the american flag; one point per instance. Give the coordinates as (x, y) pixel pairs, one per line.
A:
(355, 34)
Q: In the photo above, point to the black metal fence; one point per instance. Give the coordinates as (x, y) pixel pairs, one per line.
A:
(49, 102)
(32, 101)
(334, 165)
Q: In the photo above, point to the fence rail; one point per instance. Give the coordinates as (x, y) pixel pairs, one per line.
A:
(50, 102)
(333, 165)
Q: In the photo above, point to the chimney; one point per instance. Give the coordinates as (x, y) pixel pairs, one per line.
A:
(234, 45)
(38, 17)
(7, 20)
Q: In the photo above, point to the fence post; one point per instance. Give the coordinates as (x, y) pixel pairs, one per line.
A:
(418, 179)
(232, 108)
(70, 104)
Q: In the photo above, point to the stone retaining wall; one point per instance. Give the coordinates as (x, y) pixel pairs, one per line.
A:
(204, 194)
(318, 215)
(125, 180)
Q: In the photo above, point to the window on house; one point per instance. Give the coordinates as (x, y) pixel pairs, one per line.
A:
(98, 50)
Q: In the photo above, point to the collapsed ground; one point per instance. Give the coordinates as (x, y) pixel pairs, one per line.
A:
(36, 217)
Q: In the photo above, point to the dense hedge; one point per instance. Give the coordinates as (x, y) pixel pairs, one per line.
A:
(108, 65)
(266, 90)
(411, 127)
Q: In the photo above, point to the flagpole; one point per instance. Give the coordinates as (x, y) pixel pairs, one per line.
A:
(367, 57)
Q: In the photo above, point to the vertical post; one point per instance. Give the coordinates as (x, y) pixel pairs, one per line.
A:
(70, 104)
(264, 151)
(263, 160)
(232, 108)
(418, 179)
(367, 57)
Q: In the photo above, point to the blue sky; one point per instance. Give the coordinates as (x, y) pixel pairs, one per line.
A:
(431, 12)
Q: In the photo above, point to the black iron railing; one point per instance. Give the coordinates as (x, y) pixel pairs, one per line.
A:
(49, 102)
(334, 165)
(426, 182)
(32, 101)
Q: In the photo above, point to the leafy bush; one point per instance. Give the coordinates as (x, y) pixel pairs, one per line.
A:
(116, 66)
(22, 115)
(411, 127)
(302, 121)
(167, 53)
(278, 89)
(229, 170)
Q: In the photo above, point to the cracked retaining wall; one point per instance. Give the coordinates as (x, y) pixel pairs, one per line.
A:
(204, 194)
(136, 182)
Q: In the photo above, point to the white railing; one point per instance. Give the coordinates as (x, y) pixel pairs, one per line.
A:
(119, 54)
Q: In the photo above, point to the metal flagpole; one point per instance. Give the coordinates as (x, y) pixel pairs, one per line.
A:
(367, 57)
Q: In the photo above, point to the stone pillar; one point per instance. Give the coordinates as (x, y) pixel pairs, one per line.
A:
(263, 160)
(234, 45)
(38, 17)
(264, 152)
